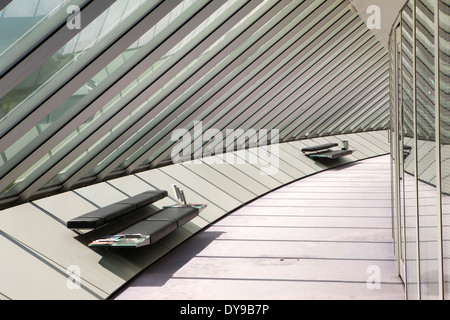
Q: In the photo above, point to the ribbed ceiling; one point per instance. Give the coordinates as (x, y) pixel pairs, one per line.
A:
(83, 105)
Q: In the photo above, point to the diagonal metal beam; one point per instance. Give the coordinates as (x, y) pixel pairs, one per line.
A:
(310, 114)
(30, 63)
(58, 164)
(86, 74)
(242, 61)
(4, 3)
(367, 87)
(185, 61)
(264, 59)
(21, 165)
(274, 102)
(185, 86)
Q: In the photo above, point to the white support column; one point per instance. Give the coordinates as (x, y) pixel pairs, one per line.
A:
(416, 165)
(438, 147)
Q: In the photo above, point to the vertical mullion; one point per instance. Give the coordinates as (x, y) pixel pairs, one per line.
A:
(438, 146)
(396, 153)
(416, 165)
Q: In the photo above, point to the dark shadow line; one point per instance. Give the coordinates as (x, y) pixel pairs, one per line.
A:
(309, 216)
(313, 206)
(322, 199)
(318, 185)
(308, 241)
(5, 296)
(287, 280)
(306, 192)
(86, 199)
(297, 258)
(51, 215)
(114, 187)
(299, 227)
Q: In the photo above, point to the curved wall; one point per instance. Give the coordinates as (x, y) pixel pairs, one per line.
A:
(45, 260)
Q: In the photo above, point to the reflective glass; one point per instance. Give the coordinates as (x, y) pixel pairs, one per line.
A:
(75, 105)
(303, 77)
(23, 22)
(427, 195)
(444, 99)
(146, 79)
(100, 33)
(392, 138)
(208, 105)
(408, 154)
(218, 114)
(68, 60)
(175, 105)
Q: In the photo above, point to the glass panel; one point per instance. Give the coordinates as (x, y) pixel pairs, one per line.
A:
(117, 103)
(124, 12)
(204, 108)
(314, 57)
(400, 143)
(214, 112)
(24, 21)
(166, 131)
(69, 59)
(427, 200)
(444, 96)
(74, 106)
(314, 100)
(148, 78)
(409, 155)
(392, 138)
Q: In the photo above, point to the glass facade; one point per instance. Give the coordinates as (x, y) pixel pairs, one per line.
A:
(102, 101)
(419, 50)
(24, 21)
(443, 97)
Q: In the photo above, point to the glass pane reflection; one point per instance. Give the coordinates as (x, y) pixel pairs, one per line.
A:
(444, 106)
(427, 200)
